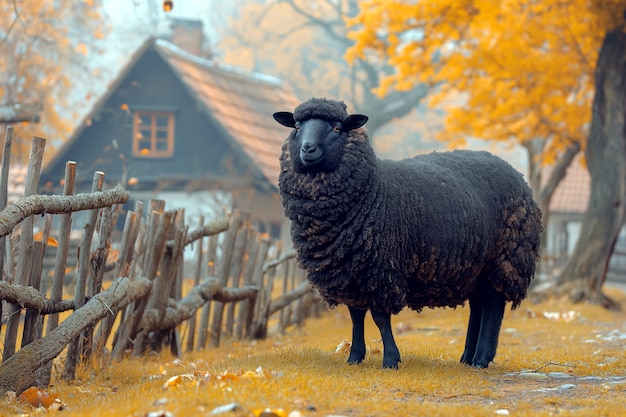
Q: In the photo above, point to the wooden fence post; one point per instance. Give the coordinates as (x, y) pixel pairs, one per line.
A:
(22, 275)
(191, 333)
(244, 306)
(236, 269)
(63, 244)
(4, 190)
(123, 268)
(30, 331)
(203, 326)
(259, 326)
(98, 266)
(156, 247)
(222, 275)
(75, 347)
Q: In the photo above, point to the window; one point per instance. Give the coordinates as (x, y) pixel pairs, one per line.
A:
(153, 134)
(269, 228)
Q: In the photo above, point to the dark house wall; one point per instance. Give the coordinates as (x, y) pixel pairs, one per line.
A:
(201, 153)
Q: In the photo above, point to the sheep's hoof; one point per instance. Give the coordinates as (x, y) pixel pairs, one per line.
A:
(354, 361)
(391, 363)
(357, 354)
(480, 365)
(466, 359)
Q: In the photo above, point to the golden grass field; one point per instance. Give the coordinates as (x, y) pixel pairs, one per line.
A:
(554, 358)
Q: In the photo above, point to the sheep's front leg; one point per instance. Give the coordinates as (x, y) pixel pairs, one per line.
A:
(391, 355)
(357, 349)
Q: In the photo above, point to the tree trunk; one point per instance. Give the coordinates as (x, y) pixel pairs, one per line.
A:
(606, 158)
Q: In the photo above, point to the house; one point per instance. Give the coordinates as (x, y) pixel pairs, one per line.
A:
(184, 129)
(567, 208)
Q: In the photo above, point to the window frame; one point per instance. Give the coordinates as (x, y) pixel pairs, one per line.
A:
(154, 129)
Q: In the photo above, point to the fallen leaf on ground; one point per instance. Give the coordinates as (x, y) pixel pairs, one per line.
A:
(268, 412)
(226, 408)
(40, 398)
(159, 413)
(177, 380)
(343, 347)
(557, 316)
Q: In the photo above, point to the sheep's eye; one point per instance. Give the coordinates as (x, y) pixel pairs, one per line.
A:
(337, 128)
(297, 126)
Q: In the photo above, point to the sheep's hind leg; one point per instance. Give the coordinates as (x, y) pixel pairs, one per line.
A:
(493, 304)
(391, 355)
(473, 329)
(357, 349)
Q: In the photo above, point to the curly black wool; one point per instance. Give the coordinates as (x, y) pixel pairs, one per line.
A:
(321, 108)
(429, 231)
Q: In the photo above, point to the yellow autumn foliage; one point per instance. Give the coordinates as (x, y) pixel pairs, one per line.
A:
(524, 68)
(45, 46)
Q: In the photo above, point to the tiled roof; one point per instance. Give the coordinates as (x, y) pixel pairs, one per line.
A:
(572, 194)
(242, 103)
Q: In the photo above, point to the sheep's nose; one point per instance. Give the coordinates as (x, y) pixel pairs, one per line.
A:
(309, 148)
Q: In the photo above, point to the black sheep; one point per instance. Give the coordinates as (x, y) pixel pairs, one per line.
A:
(430, 231)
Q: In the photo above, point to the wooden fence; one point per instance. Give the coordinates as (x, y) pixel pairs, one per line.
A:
(130, 296)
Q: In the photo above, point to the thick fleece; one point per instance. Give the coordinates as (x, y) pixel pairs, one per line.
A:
(430, 231)
(424, 232)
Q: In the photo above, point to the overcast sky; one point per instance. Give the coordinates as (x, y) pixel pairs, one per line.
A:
(132, 21)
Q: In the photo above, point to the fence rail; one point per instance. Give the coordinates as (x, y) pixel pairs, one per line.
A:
(137, 280)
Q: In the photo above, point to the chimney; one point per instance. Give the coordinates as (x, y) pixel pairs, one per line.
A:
(187, 34)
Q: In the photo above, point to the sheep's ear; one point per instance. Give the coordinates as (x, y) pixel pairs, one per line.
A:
(354, 121)
(285, 118)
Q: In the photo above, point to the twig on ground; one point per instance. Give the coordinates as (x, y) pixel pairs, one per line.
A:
(555, 364)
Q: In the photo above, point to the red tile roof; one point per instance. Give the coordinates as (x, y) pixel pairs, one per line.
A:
(242, 103)
(572, 194)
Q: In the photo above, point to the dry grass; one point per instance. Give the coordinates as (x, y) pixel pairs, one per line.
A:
(301, 371)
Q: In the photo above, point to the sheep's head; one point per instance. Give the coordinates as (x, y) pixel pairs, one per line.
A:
(320, 130)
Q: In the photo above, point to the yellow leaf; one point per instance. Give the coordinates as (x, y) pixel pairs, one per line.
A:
(177, 380)
(268, 412)
(343, 347)
(228, 376)
(40, 398)
(81, 48)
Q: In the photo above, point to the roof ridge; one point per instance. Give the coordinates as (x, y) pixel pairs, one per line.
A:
(208, 63)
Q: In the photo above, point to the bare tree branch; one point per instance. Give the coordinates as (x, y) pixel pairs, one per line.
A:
(210, 289)
(559, 171)
(15, 20)
(276, 262)
(213, 228)
(326, 25)
(14, 213)
(28, 297)
(285, 299)
(18, 372)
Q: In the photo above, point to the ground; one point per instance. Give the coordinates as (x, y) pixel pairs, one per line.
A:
(554, 358)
